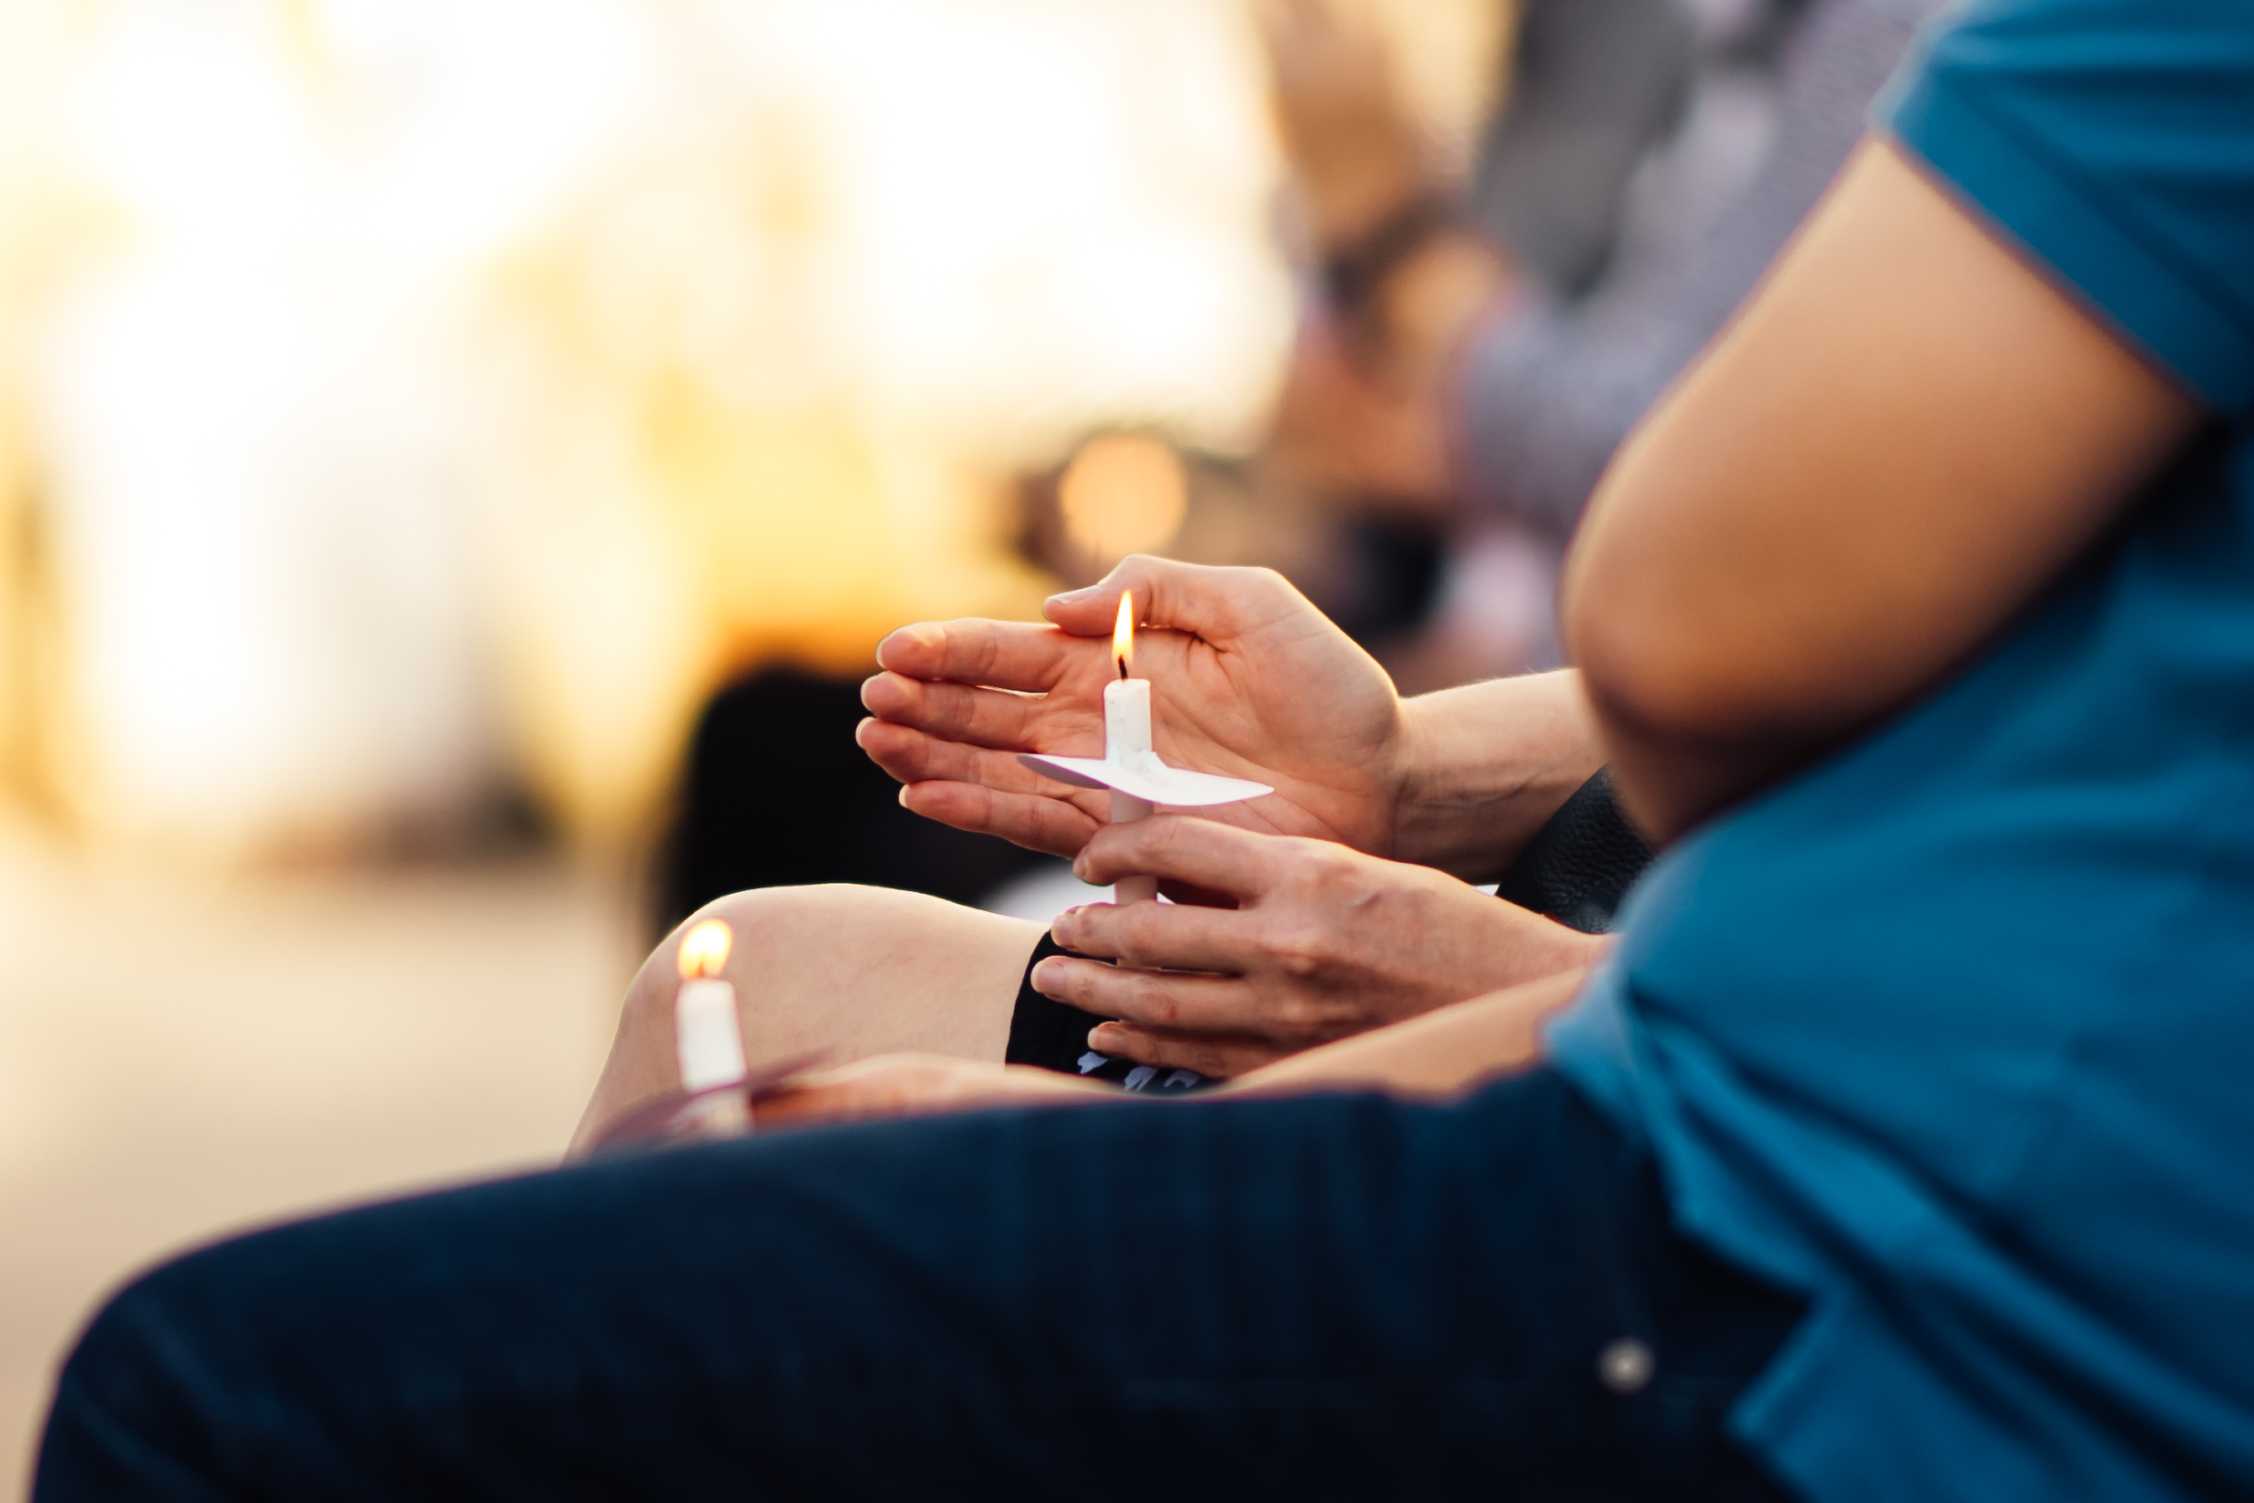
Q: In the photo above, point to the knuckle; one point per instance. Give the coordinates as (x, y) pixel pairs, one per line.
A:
(1324, 868)
(1165, 1052)
(1139, 1045)
(1161, 836)
(1299, 951)
(1295, 1016)
(1086, 929)
(1154, 1004)
(1080, 981)
(982, 652)
(1129, 934)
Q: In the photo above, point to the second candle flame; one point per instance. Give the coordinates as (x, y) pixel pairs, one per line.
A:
(704, 950)
(1123, 632)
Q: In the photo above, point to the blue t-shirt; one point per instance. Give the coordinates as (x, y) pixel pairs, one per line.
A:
(1955, 1031)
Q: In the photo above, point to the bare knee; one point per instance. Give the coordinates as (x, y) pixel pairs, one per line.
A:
(850, 970)
(766, 927)
(834, 972)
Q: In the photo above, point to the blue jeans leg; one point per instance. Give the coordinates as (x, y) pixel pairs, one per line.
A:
(1335, 1296)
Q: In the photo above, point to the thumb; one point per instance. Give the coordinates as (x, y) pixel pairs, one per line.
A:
(1210, 601)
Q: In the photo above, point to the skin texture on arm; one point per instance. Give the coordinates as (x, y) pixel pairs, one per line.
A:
(1908, 432)
(1485, 765)
(1440, 1054)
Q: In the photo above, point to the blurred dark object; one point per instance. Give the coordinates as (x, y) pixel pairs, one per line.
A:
(775, 793)
(1395, 567)
(1578, 868)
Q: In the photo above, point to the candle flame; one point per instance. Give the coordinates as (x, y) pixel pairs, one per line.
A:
(1123, 632)
(704, 950)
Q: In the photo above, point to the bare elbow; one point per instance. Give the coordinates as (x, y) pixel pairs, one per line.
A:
(1676, 694)
(1648, 668)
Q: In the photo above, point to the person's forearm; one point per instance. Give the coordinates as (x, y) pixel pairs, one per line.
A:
(1486, 765)
(1906, 437)
(1438, 1054)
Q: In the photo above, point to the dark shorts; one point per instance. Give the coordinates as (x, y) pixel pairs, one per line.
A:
(1053, 1036)
(1321, 1297)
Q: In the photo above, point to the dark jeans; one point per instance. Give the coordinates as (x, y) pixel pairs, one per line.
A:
(1330, 1297)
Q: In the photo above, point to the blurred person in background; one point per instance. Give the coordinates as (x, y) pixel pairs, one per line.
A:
(1470, 363)
(1473, 356)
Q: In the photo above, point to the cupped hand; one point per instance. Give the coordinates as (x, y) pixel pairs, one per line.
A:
(1247, 678)
(1324, 942)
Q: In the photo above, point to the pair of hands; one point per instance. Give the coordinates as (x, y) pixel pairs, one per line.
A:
(1295, 926)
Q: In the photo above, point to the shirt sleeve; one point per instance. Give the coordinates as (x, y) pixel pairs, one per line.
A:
(2112, 141)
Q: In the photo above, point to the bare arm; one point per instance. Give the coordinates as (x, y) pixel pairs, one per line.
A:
(1907, 433)
(1486, 764)
(1440, 1053)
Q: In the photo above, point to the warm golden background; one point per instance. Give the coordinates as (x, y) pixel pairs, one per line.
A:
(410, 410)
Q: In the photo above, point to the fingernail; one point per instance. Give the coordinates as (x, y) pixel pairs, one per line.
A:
(1045, 974)
(903, 795)
(867, 686)
(914, 636)
(1103, 1038)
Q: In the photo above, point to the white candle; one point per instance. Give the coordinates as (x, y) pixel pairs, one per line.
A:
(1127, 721)
(1127, 739)
(712, 1046)
(708, 1039)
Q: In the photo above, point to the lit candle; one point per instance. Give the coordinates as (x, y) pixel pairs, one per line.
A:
(1130, 769)
(1127, 738)
(707, 1037)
